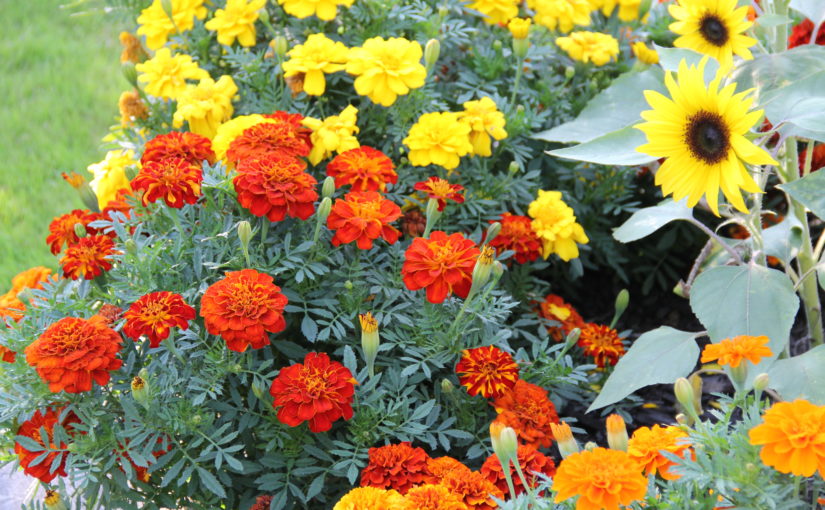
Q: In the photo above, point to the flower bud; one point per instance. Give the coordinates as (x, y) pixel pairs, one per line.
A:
(683, 391)
(443, 11)
(323, 209)
(513, 168)
(433, 214)
(497, 45)
(590, 446)
(279, 45)
(244, 233)
(616, 433)
(53, 501)
(493, 231)
(564, 439)
(370, 340)
(349, 285)
(258, 390)
(341, 30)
(696, 385)
(446, 386)
(761, 382)
(519, 27)
(483, 267)
(129, 72)
(328, 188)
(431, 52)
(738, 375)
(140, 391)
(622, 299)
(131, 246)
(569, 72)
(681, 419)
(263, 15)
(498, 269)
(505, 443)
(80, 230)
(572, 337)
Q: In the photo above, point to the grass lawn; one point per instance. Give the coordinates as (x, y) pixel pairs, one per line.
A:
(59, 83)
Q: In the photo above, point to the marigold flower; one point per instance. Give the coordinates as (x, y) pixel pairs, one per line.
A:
(73, 351)
(142, 472)
(440, 467)
(386, 69)
(206, 105)
(281, 134)
(601, 342)
(11, 307)
(560, 14)
(191, 147)
(438, 138)
(519, 27)
(817, 159)
(110, 313)
(236, 21)
(88, 258)
(442, 264)
(363, 216)
(157, 26)
(496, 11)
(646, 446)
(603, 479)
(242, 308)
(131, 107)
(31, 428)
(262, 503)
(364, 168)
(61, 229)
(432, 497)
(801, 34)
(396, 466)
(531, 461)
(165, 75)
(476, 491)
(564, 439)
(590, 47)
(323, 9)
(792, 437)
(527, 410)
(275, 186)
(555, 224)
(440, 189)
(485, 121)
(6, 354)
(487, 370)
(155, 314)
(110, 175)
(318, 56)
(731, 351)
(122, 203)
(645, 54)
(175, 180)
(369, 498)
(517, 234)
(10, 304)
(335, 133)
(132, 49)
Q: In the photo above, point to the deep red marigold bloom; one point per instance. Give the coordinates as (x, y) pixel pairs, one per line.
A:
(601, 342)
(527, 409)
(531, 461)
(475, 489)
(801, 34)
(73, 352)
(440, 467)
(517, 234)
(276, 186)
(646, 446)
(487, 370)
(442, 264)
(287, 137)
(110, 313)
(441, 190)
(155, 314)
(364, 168)
(175, 180)
(242, 308)
(396, 466)
(88, 258)
(191, 147)
(555, 309)
(318, 390)
(603, 479)
(142, 472)
(61, 229)
(31, 428)
(7, 354)
(363, 216)
(262, 503)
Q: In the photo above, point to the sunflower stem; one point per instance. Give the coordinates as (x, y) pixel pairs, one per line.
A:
(713, 235)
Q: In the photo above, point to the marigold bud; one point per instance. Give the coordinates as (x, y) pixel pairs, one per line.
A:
(738, 375)
(245, 235)
(279, 45)
(483, 267)
(622, 299)
(696, 385)
(370, 340)
(590, 446)
(80, 230)
(513, 168)
(505, 443)
(564, 439)
(569, 72)
(131, 246)
(328, 188)
(258, 390)
(446, 386)
(681, 419)
(349, 285)
(520, 48)
(130, 73)
(86, 194)
(497, 45)
(263, 15)
(683, 391)
(572, 337)
(431, 53)
(493, 231)
(498, 269)
(443, 11)
(761, 382)
(53, 501)
(324, 209)
(616, 432)
(140, 390)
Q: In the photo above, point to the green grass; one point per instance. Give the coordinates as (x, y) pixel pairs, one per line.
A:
(59, 83)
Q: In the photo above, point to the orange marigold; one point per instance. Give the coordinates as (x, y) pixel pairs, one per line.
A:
(11, 307)
(319, 391)
(31, 428)
(262, 503)
(792, 437)
(517, 235)
(432, 497)
(32, 278)
(285, 136)
(554, 308)
(439, 467)
(396, 466)
(242, 308)
(487, 370)
(276, 186)
(603, 479)
(529, 412)
(61, 229)
(476, 491)
(123, 202)
(73, 352)
(646, 446)
(731, 351)
(155, 314)
(364, 168)
(369, 498)
(88, 258)
(175, 180)
(442, 264)
(531, 461)
(601, 342)
(192, 147)
(363, 216)
(441, 190)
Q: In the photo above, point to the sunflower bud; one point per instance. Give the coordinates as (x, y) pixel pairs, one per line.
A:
(505, 443)
(370, 340)
(492, 231)
(446, 386)
(761, 382)
(431, 53)
(564, 439)
(129, 72)
(616, 433)
(53, 501)
(80, 230)
(328, 188)
(483, 267)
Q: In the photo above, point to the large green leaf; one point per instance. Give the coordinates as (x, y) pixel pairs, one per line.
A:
(615, 148)
(775, 70)
(809, 191)
(650, 219)
(784, 239)
(802, 376)
(745, 300)
(657, 357)
(669, 59)
(812, 9)
(800, 106)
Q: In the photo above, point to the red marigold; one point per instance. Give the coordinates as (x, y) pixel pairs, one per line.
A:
(529, 412)
(475, 490)
(318, 390)
(396, 466)
(191, 147)
(801, 34)
(276, 185)
(142, 472)
(110, 313)
(517, 234)
(61, 229)
(31, 428)
(363, 216)
(601, 342)
(365, 168)
(487, 370)
(286, 137)
(88, 257)
(531, 461)
(262, 503)
(442, 264)
(7, 354)
(175, 180)
(441, 190)
(155, 314)
(242, 308)
(439, 467)
(122, 203)
(555, 309)
(817, 160)
(73, 351)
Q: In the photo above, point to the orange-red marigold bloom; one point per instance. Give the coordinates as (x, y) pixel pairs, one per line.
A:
(286, 137)
(792, 437)
(31, 428)
(432, 497)
(192, 147)
(603, 479)
(318, 390)
(440, 467)
(396, 466)
(441, 190)
(363, 216)
(155, 314)
(487, 370)
(476, 491)
(276, 186)
(175, 180)
(601, 342)
(142, 472)
(646, 446)
(88, 258)
(801, 34)
(364, 168)
(527, 409)
(517, 234)
(262, 503)
(7, 354)
(242, 308)
(61, 229)
(442, 264)
(731, 351)
(817, 159)
(73, 351)
(555, 309)
(531, 461)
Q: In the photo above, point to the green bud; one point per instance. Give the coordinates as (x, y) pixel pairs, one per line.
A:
(236, 368)
(341, 30)
(739, 375)
(483, 268)
(446, 386)
(569, 72)
(498, 269)
(141, 391)
(328, 188)
(513, 168)
(681, 290)
(572, 337)
(263, 14)
(520, 109)
(197, 419)
(493, 231)
(497, 45)
(431, 53)
(443, 11)
(761, 382)
(504, 441)
(590, 446)
(324, 209)
(131, 246)
(370, 340)
(257, 390)
(681, 419)
(130, 73)
(280, 45)
(348, 285)
(244, 233)
(80, 230)
(620, 306)
(683, 391)
(520, 48)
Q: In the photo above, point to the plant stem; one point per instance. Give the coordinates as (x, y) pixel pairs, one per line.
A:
(519, 72)
(713, 235)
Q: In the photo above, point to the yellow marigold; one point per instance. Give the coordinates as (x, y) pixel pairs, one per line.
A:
(731, 351)
(386, 69)
(792, 437)
(629, 9)
(335, 133)
(110, 175)
(496, 11)
(561, 14)
(165, 76)
(519, 27)
(206, 105)
(645, 54)
(432, 497)
(555, 224)
(311, 60)
(131, 107)
(157, 26)
(236, 21)
(324, 9)
(485, 121)
(132, 50)
(438, 138)
(647, 444)
(602, 479)
(370, 498)
(590, 47)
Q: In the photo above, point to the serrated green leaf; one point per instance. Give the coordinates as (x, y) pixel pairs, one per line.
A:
(809, 191)
(812, 9)
(650, 219)
(614, 148)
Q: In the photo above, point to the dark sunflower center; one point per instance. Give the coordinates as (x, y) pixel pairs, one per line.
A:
(707, 137)
(713, 30)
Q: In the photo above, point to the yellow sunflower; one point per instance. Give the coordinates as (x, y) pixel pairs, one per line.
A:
(712, 27)
(700, 132)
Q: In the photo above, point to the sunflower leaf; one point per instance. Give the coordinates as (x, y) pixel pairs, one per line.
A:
(650, 219)
(808, 192)
(615, 148)
(801, 376)
(812, 9)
